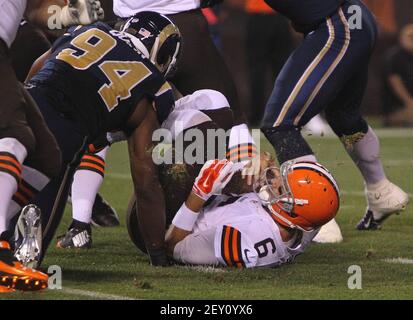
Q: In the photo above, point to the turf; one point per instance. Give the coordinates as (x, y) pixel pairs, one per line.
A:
(113, 268)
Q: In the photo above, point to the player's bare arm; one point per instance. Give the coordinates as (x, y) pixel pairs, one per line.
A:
(149, 193)
(38, 64)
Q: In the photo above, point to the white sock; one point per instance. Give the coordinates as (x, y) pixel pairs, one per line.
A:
(366, 155)
(308, 158)
(86, 183)
(31, 184)
(12, 154)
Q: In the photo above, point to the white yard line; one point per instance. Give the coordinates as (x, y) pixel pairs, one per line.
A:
(399, 260)
(93, 294)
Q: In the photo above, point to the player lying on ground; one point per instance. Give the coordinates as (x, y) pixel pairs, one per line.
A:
(26, 145)
(263, 229)
(195, 119)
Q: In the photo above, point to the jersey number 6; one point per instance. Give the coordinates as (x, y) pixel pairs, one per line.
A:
(123, 75)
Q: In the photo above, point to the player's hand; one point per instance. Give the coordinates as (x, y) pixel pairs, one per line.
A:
(82, 12)
(252, 171)
(210, 3)
(214, 176)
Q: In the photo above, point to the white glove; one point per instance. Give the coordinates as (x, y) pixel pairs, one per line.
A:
(81, 12)
(214, 176)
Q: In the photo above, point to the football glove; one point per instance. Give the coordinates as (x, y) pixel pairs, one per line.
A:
(210, 3)
(81, 12)
(214, 176)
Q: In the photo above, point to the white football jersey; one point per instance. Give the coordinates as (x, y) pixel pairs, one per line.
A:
(239, 232)
(127, 8)
(11, 13)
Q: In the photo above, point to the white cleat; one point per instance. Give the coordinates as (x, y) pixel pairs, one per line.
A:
(28, 236)
(329, 233)
(384, 199)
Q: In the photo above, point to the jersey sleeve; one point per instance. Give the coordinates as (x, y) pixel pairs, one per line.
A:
(234, 249)
(164, 102)
(197, 248)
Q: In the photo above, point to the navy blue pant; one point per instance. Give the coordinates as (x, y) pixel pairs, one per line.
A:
(70, 139)
(328, 71)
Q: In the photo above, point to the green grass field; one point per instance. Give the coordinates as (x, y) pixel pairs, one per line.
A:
(114, 269)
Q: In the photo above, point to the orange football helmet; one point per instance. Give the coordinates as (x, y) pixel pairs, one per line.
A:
(300, 195)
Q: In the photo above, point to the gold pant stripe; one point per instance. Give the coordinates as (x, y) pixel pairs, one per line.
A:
(307, 74)
(329, 71)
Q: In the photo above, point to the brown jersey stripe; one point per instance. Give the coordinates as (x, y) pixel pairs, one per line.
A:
(239, 248)
(21, 199)
(231, 248)
(225, 246)
(29, 186)
(26, 192)
(10, 157)
(96, 163)
(9, 162)
(11, 171)
(91, 164)
(235, 248)
(240, 149)
(94, 158)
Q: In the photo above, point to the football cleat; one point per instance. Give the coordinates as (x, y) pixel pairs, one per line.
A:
(103, 215)
(384, 199)
(28, 236)
(15, 276)
(76, 239)
(329, 233)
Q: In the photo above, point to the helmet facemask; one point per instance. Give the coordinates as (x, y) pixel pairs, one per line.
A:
(275, 193)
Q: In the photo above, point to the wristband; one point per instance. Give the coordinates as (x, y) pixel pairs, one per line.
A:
(185, 218)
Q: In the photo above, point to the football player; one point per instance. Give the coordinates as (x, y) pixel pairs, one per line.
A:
(20, 141)
(95, 80)
(329, 71)
(200, 66)
(252, 231)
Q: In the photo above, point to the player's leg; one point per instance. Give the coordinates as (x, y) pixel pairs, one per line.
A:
(306, 85)
(16, 141)
(69, 146)
(316, 72)
(383, 197)
(86, 183)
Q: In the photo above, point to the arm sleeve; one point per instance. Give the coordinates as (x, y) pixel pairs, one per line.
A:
(197, 248)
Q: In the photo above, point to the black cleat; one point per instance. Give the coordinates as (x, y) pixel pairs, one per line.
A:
(76, 239)
(369, 223)
(103, 215)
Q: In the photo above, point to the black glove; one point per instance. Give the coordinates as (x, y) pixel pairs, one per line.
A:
(159, 258)
(210, 3)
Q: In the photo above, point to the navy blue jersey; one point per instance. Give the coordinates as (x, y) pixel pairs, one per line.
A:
(96, 77)
(305, 12)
